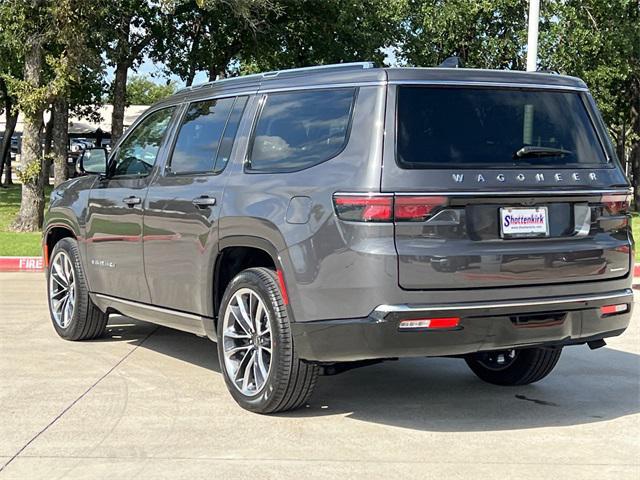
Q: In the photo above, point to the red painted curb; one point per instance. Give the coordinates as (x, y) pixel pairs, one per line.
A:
(21, 264)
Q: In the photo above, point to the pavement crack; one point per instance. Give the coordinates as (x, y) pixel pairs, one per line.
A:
(70, 406)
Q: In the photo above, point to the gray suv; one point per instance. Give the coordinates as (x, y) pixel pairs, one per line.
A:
(314, 220)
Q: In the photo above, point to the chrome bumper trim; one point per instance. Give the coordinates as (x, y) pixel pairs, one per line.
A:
(381, 311)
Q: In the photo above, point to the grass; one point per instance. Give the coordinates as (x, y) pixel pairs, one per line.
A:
(14, 243)
(28, 244)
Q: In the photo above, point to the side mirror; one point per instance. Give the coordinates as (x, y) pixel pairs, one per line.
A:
(92, 161)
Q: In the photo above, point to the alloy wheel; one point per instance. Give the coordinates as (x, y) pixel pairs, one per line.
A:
(62, 289)
(246, 341)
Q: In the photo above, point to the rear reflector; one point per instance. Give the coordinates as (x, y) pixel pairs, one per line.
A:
(431, 323)
(613, 309)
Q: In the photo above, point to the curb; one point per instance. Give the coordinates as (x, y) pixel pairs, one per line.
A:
(21, 264)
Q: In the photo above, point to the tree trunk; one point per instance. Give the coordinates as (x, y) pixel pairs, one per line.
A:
(60, 140)
(46, 163)
(5, 149)
(119, 101)
(31, 212)
(8, 171)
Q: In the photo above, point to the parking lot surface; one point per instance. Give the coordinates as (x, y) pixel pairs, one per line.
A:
(149, 402)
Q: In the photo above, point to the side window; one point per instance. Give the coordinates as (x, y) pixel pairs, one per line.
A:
(137, 153)
(202, 135)
(224, 151)
(297, 130)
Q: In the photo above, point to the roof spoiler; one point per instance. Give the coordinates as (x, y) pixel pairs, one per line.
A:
(452, 62)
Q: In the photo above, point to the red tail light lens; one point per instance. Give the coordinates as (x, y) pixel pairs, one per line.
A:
(416, 209)
(616, 204)
(364, 208)
(386, 208)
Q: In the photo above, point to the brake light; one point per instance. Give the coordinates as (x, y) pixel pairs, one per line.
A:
(616, 204)
(386, 208)
(365, 208)
(613, 309)
(416, 209)
(430, 323)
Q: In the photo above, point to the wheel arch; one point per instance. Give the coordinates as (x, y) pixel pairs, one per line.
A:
(52, 235)
(237, 253)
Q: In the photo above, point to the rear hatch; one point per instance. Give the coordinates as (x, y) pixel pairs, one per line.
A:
(500, 186)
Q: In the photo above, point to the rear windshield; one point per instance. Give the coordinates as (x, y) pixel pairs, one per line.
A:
(484, 127)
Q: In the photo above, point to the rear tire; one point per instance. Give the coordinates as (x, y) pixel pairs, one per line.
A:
(514, 367)
(260, 381)
(73, 314)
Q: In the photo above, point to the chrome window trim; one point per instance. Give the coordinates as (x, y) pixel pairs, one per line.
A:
(463, 83)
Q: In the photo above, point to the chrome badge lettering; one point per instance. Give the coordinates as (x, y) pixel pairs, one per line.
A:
(102, 263)
(538, 177)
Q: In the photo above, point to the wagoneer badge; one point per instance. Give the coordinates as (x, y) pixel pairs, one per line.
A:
(539, 177)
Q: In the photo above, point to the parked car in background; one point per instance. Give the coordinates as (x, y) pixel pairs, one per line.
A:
(314, 220)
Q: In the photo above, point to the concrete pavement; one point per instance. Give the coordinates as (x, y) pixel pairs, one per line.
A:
(149, 402)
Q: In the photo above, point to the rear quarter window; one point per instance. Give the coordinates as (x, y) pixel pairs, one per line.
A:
(296, 130)
(462, 127)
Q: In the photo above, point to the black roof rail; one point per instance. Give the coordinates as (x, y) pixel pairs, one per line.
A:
(284, 72)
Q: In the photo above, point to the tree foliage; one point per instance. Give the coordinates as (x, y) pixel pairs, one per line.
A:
(484, 33)
(56, 51)
(141, 90)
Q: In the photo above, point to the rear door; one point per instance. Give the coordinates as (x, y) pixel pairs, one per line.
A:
(183, 206)
(502, 186)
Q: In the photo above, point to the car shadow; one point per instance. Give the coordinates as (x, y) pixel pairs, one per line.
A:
(442, 394)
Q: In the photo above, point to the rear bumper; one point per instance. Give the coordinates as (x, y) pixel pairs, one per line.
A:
(483, 326)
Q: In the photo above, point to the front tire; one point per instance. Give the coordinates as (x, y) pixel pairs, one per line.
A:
(514, 367)
(73, 314)
(257, 356)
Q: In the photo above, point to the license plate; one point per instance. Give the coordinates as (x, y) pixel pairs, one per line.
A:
(524, 222)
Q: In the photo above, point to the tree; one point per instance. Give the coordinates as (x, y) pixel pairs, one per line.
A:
(11, 66)
(78, 44)
(313, 32)
(206, 35)
(25, 26)
(484, 34)
(135, 25)
(143, 91)
(600, 43)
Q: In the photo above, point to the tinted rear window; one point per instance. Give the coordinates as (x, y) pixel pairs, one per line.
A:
(483, 127)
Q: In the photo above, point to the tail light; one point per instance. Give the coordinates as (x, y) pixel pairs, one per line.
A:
(616, 204)
(416, 209)
(365, 208)
(386, 208)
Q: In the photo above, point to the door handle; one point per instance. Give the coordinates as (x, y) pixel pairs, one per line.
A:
(204, 202)
(131, 201)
